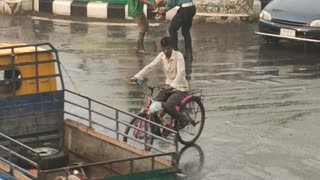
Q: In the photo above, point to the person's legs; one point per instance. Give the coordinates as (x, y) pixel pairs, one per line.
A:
(172, 102)
(176, 23)
(138, 22)
(140, 43)
(143, 25)
(162, 96)
(188, 14)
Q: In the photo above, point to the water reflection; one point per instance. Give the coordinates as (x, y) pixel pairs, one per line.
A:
(288, 53)
(79, 28)
(190, 162)
(291, 59)
(43, 26)
(188, 58)
(15, 29)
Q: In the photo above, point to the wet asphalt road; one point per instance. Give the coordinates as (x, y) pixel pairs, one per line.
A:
(262, 101)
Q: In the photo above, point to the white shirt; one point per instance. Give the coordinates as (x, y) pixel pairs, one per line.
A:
(173, 68)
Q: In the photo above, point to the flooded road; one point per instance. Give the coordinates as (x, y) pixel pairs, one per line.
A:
(262, 101)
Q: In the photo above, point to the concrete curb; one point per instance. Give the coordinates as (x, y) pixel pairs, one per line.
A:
(101, 10)
(87, 9)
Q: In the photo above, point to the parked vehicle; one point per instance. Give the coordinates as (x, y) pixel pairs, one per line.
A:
(264, 3)
(290, 19)
(48, 132)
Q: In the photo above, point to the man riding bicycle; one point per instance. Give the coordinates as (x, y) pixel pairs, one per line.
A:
(176, 87)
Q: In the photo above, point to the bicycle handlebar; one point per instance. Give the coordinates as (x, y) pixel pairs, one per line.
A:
(141, 82)
(151, 88)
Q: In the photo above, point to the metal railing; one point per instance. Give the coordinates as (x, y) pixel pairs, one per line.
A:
(113, 120)
(11, 154)
(111, 166)
(35, 51)
(106, 164)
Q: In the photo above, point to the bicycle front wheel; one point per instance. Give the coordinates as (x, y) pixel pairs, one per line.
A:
(140, 136)
(194, 111)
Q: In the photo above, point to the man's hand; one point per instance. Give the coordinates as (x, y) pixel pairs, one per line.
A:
(133, 79)
(167, 87)
(160, 2)
(162, 10)
(153, 5)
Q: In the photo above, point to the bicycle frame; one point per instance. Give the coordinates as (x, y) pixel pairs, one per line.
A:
(178, 107)
(152, 111)
(145, 110)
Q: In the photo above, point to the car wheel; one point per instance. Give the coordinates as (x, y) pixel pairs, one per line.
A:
(270, 39)
(50, 158)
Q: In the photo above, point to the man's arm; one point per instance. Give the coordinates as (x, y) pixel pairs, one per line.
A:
(170, 4)
(150, 67)
(148, 2)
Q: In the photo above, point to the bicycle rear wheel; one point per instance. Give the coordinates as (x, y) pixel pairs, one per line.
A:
(193, 109)
(139, 138)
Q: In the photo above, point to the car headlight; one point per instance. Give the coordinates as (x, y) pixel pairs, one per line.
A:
(315, 23)
(265, 15)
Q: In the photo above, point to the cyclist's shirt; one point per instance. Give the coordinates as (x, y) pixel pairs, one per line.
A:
(174, 69)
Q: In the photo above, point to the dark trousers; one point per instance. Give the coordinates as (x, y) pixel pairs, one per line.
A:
(170, 100)
(182, 19)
